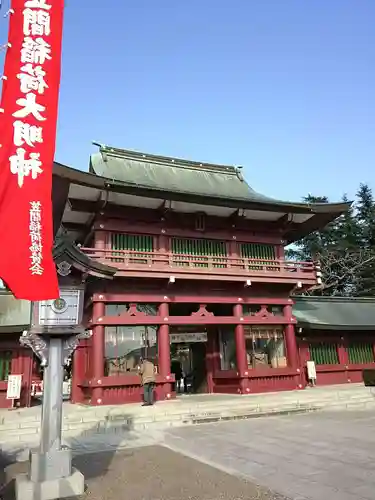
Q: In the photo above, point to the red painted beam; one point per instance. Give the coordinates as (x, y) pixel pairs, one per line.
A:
(123, 380)
(156, 228)
(276, 278)
(258, 373)
(153, 298)
(188, 320)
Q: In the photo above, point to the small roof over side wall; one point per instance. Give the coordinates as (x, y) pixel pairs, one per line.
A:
(335, 313)
(66, 251)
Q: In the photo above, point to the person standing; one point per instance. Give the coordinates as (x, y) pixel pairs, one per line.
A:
(147, 372)
(186, 369)
(176, 369)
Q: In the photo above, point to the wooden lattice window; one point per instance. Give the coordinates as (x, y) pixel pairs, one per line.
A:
(324, 353)
(5, 364)
(262, 252)
(199, 252)
(139, 243)
(360, 353)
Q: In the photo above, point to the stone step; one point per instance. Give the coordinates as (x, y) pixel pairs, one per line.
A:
(159, 412)
(24, 425)
(80, 413)
(28, 430)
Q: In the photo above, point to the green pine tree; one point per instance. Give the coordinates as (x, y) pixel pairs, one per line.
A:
(316, 243)
(342, 248)
(365, 217)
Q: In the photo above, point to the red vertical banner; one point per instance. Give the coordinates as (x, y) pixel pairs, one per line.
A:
(28, 117)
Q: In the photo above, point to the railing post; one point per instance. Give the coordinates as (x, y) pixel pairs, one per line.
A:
(233, 254)
(163, 247)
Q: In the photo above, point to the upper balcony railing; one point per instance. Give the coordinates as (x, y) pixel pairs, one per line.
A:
(141, 263)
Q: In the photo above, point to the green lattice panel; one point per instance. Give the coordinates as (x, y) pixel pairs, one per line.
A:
(5, 364)
(360, 353)
(324, 353)
(199, 252)
(258, 251)
(134, 242)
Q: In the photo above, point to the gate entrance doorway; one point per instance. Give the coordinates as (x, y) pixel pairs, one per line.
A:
(188, 361)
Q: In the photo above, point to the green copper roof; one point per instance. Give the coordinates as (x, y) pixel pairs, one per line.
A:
(174, 174)
(200, 182)
(331, 313)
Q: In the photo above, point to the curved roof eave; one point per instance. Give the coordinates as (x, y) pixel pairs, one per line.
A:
(91, 180)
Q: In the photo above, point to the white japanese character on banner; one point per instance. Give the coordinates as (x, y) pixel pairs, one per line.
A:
(35, 245)
(35, 51)
(36, 268)
(35, 206)
(35, 227)
(32, 78)
(23, 167)
(36, 23)
(37, 4)
(25, 133)
(29, 107)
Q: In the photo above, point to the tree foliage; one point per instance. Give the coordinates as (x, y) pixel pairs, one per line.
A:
(345, 248)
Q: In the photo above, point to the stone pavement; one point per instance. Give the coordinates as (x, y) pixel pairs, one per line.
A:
(154, 473)
(21, 428)
(320, 456)
(314, 456)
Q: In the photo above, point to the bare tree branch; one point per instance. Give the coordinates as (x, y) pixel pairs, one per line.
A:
(341, 271)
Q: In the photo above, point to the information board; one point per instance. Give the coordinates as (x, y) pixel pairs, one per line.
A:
(14, 386)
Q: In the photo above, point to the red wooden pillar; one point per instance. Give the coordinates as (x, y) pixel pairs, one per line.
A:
(27, 356)
(241, 354)
(211, 358)
(233, 253)
(290, 338)
(79, 374)
(342, 353)
(98, 354)
(100, 242)
(343, 357)
(164, 349)
(21, 364)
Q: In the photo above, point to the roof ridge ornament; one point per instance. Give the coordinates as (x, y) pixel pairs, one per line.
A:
(238, 170)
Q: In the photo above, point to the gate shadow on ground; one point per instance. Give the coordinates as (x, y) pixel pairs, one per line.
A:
(93, 452)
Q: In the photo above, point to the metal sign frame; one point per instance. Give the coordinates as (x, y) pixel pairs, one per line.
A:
(43, 312)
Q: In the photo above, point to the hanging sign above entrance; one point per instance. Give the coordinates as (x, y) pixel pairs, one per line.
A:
(187, 338)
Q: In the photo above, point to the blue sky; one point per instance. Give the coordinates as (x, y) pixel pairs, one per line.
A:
(285, 88)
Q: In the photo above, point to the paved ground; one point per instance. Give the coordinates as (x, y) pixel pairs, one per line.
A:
(154, 473)
(320, 456)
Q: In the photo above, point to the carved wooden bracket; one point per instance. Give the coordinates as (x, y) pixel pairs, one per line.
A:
(263, 312)
(202, 311)
(133, 311)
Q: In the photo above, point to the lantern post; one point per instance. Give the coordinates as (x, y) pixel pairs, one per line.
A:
(56, 329)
